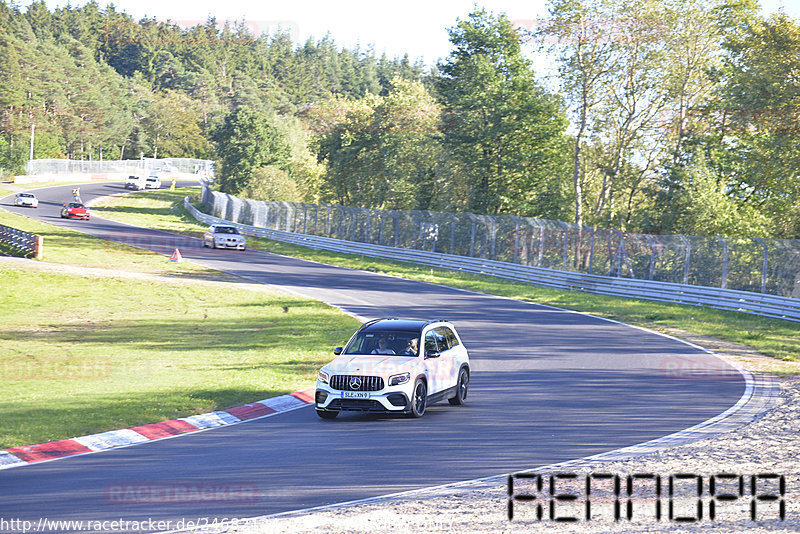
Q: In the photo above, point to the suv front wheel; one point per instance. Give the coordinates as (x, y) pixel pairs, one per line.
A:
(461, 389)
(419, 400)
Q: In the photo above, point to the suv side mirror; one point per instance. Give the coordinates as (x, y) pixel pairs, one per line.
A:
(337, 351)
(432, 354)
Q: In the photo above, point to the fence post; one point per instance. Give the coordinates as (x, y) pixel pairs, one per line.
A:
(417, 230)
(472, 239)
(764, 266)
(566, 244)
(541, 244)
(39, 247)
(652, 268)
(611, 256)
(591, 249)
(516, 238)
(452, 233)
(494, 236)
(396, 228)
(436, 227)
(328, 220)
(688, 248)
(620, 251)
(315, 231)
(353, 227)
(724, 282)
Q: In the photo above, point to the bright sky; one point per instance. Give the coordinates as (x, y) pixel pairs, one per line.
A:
(416, 27)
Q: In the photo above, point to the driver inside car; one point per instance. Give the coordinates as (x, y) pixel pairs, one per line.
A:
(383, 347)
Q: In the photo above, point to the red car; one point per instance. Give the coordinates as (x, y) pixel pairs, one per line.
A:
(74, 210)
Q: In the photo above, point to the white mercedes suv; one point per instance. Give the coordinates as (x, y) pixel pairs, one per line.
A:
(382, 369)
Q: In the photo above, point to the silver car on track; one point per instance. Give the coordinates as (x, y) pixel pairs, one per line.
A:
(221, 236)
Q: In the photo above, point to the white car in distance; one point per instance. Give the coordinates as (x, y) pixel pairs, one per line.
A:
(395, 366)
(26, 199)
(135, 182)
(152, 182)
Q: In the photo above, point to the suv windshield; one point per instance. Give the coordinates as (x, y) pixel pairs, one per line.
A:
(401, 343)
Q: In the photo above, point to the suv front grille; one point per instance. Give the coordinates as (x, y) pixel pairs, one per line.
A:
(356, 405)
(356, 383)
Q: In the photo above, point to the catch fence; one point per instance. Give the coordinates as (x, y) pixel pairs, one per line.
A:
(201, 167)
(770, 266)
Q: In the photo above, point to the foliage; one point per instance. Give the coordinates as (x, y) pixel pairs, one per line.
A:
(381, 151)
(760, 92)
(173, 126)
(500, 124)
(705, 208)
(109, 86)
(272, 183)
(246, 141)
(669, 101)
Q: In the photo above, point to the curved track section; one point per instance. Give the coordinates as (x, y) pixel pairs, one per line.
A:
(548, 386)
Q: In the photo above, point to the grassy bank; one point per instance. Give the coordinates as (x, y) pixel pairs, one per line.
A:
(74, 248)
(90, 354)
(84, 353)
(771, 337)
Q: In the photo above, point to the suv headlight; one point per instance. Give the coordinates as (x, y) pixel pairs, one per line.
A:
(323, 377)
(396, 380)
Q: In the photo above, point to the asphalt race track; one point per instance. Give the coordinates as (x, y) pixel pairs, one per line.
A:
(547, 386)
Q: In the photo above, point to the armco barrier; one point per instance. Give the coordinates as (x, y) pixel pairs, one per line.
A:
(724, 299)
(26, 243)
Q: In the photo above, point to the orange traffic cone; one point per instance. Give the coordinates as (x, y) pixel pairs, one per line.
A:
(176, 256)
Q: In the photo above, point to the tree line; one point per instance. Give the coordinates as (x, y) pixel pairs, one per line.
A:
(684, 112)
(675, 116)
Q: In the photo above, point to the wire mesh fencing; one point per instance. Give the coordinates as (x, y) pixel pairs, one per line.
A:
(748, 264)
(130, 166)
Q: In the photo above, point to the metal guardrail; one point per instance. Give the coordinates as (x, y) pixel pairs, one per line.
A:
(25, 242)
(723, 299)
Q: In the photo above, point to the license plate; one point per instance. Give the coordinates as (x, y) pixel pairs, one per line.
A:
(355, 394)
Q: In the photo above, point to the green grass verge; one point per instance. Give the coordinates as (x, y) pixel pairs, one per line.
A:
(771, 337)
(69, 247)
(86, 353)
(90, 354)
